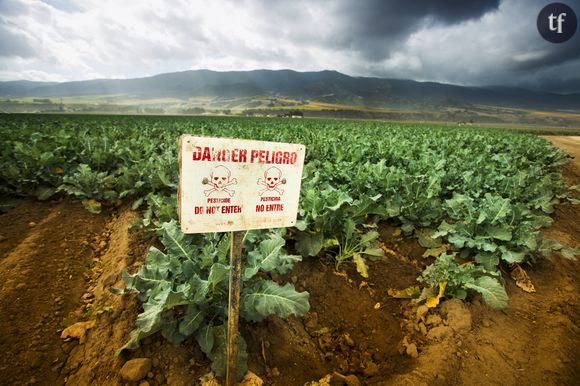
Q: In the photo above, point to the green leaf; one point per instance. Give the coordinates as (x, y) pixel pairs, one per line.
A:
(301, 225)
(308, 244)
(148, 281)
(200, 289)
(249, 272)
(170, 331)
(218, 355)
(267, 298)
(175, 241)
(499, 232)
(426, 238)
(458, 240)
(270, 257)
(348, 228)
(512, 256)
(191, 320)
(137, 203)
(489, 261)
(166, 265)
(205, 338)
(496, 208)
(189, 269)
(341, 199)
(407, 228)
(178, 298)
(44, 192)
(493, 292)
(217, 274)
(444, 229)
(368, 237)
(459, 293)
(149, 321)
(374, 252)
(529, 240)
(223, 249)
(267, 253)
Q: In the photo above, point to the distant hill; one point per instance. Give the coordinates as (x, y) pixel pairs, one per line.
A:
(21, 87)
(325, 86)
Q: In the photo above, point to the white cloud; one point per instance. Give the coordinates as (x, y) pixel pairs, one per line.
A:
(74, 39)
(524, 57)
(35, 75)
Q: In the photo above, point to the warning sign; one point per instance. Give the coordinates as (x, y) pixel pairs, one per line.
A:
(231, 184)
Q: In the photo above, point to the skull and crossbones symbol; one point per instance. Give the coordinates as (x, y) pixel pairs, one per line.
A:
(220, 179)
(272, 179)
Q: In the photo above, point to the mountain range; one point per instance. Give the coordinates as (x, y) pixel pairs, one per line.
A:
(323, 86)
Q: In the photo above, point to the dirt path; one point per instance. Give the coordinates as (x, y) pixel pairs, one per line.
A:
(570, 144)
(57, 262)
(46, 254)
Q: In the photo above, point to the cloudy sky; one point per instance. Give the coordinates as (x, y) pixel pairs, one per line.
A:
(479, 42)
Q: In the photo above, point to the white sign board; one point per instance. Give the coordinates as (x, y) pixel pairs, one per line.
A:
(232, 184)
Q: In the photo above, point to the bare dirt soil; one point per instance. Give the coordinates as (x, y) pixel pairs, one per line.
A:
(57, 262)
(570, 144)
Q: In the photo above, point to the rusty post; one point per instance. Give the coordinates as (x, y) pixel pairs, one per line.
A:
(236, 240)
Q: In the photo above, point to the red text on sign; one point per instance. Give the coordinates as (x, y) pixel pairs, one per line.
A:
(273, 157)
(207, 153)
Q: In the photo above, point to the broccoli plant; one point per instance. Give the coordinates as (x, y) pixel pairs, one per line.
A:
(184, 289)
(91, 186)
(446, 277)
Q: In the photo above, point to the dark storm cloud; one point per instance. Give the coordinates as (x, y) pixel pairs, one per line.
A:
(550, 57)
(376, 28)
(480, 44)
(555, 82)
(476, 43)
(382, 19)
(540, 64)
(552, 54)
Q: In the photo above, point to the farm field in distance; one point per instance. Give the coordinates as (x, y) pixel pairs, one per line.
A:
(438, 113)
(423, 254)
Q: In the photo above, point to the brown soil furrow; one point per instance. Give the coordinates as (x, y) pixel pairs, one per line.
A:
(42, 282)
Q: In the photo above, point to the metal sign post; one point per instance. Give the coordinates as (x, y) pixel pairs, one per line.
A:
(236, 241)
(233, 185)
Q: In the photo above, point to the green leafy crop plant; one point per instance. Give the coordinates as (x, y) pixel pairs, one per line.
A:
(486, 192)
(457, 279)
(184, 289)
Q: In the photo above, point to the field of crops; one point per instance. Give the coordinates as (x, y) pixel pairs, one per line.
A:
(475, 199)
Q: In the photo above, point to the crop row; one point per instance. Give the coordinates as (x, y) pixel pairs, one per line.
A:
(476, 197)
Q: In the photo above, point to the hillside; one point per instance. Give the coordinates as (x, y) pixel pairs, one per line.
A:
(323, 86)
